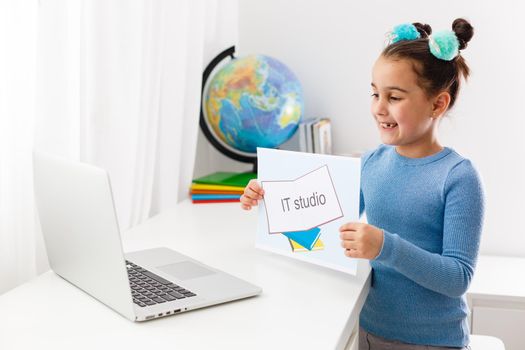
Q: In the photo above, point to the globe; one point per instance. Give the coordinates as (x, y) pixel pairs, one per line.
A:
(252, 101)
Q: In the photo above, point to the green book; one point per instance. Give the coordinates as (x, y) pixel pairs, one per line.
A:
(226, 179)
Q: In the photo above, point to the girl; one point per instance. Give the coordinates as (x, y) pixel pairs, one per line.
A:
(424, 202)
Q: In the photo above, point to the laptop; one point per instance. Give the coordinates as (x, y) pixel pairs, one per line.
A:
(82, 239)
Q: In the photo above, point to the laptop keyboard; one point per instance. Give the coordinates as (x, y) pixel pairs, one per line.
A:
(149, 289)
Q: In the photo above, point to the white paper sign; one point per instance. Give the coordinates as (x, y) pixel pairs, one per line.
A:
(302, 230)
(301, 204)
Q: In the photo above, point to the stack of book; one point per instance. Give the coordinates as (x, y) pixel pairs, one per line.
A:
(315, 136)
(219, 187)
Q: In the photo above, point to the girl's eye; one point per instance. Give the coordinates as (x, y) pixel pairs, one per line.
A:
(375, 95)
(394, 98)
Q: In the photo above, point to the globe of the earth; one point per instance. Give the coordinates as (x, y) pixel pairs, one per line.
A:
(253, 101)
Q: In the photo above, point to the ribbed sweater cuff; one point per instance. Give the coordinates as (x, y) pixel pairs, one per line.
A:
(387, 251)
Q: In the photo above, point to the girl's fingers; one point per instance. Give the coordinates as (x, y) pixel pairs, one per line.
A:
(254, 184)
(246, 203)
(352, 253)
(252, 194)
(245, 200)
(349, 244)
(254, 187)
(351, 226)
(347, 235)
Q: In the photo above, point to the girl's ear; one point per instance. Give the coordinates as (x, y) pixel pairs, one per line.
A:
(440, 104)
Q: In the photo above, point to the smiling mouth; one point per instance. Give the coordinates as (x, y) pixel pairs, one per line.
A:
(388, 125)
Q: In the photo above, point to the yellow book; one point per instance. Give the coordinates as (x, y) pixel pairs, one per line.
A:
(296, 247)
(195, 186)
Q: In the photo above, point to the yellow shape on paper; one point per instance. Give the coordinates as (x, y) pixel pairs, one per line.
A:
(297, 248)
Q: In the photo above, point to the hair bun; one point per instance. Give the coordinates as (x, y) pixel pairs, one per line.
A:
(464, 32)
(424, 29)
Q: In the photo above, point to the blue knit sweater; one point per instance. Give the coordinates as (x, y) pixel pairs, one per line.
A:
(431, 212)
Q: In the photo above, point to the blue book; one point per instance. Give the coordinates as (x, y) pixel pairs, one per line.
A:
(305, 238)
(214, 196)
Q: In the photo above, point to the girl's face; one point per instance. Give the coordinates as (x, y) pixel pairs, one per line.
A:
(402, 110)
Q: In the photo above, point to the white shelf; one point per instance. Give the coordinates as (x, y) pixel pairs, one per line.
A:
(496, 299)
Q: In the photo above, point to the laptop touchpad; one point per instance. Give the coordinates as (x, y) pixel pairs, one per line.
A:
(185, 270)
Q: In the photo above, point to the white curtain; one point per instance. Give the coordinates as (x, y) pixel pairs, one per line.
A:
(17, 107)
(117, 85)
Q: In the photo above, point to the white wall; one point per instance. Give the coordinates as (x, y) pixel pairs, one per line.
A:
(221, 33)
(332, 44)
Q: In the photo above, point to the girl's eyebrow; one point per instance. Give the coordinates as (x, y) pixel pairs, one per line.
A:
(391, 88)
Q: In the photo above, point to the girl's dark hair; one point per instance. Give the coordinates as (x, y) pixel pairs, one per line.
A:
(435, 75)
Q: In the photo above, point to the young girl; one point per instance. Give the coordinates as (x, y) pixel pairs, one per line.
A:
(424, 202)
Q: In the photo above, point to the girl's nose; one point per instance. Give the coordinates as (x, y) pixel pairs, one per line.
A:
(379, 107)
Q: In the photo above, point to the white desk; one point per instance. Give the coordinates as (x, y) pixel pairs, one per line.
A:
(302, 306)
(497, 300)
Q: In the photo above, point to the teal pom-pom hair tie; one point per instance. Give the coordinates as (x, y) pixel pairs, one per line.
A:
(444, 45)
(405, 31)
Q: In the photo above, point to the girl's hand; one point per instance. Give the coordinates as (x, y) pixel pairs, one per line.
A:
(252, 193)
(361, 240)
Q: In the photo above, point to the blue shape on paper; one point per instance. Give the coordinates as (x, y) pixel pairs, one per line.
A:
(305, 238)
